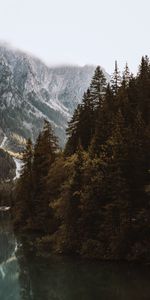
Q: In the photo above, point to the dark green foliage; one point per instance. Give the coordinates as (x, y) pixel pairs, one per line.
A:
(23, 203)
(31, 203)
(72, 205)
(82, 125)
(44, 155)
(73, 132)
(93, 199)
(97, 88)
(116, 79)
(7, 166)
(103, 122)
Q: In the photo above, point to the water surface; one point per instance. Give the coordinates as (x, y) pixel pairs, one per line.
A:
(25, 276)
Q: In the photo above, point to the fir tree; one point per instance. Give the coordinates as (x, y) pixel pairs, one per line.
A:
(82, 125)
(44, 155)
(24, 190)
(116, 79)
(73, 132)
(87, 122)
(103, 123)
(143, 88)
(71, 194)
(98, 88)
(126, 76)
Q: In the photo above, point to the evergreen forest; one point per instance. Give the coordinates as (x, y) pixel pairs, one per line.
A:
(91, 199)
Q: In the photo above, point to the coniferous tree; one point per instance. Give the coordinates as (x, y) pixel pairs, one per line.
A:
(116, 79)
(23, 204)
(98, 88)
(126, 76)
(69, 208)
(87, 121)
(138, 159)
(103, 123)
(144, 68)
(82, 126)
(73, 132)
(143, 89)
(44, 155)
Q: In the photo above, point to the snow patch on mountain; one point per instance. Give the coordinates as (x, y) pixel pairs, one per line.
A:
(3, 142)
(19, 164)
(31, 91)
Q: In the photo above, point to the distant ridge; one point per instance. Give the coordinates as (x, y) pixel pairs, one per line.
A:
(31, 91)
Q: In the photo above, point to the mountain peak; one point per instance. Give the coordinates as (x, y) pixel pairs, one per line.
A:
(32, 91)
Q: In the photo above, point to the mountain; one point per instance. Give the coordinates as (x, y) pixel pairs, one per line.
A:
(31, 91)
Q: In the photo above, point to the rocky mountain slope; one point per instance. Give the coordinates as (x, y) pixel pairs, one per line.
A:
(31, 91)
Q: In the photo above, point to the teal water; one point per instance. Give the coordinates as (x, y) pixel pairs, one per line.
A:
(24, 276)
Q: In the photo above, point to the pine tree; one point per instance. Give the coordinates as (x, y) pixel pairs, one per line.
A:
(116, 79)
(44, 155)
(87, 121)
(103, 123)
(138, 158)
(115, 185)
(24, 190)
(82, 125)
(143, 88)
(126, 76)
(71, 198)
(73, 132)
(98, 88)
(144, 68)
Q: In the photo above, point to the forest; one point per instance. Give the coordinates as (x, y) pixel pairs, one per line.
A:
(91, 199)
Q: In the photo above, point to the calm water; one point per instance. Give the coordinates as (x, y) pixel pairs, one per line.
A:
(27, 277)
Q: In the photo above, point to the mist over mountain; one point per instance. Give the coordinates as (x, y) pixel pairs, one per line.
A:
(31, 91)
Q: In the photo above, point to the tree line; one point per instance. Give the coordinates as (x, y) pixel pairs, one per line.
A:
(91, 199)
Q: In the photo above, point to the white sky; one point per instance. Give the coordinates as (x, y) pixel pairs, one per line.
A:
(79, 31)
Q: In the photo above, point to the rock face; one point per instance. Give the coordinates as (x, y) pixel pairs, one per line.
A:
(31, 91)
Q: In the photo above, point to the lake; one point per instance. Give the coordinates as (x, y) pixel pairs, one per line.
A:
(24, 276)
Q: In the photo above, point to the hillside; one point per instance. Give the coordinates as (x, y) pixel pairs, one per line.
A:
(31, 91)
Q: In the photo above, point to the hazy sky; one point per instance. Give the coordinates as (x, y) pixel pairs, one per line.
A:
(79, 31)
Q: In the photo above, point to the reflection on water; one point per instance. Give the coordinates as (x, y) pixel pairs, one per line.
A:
(9, 268)
(24, 276)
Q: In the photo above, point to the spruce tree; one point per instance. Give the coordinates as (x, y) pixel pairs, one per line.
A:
(115, 185)
(71, 194)
(103, 123)
(82, 125)
(143, 89)
(44, 155)
(87, 121)
(23, 204)
(73, 132)
(126, 76)
(98, 88)
(116, 79)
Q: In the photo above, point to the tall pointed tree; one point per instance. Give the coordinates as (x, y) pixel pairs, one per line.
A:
(82, 125)
(116, 79)
(98, 88)
(143, 81)
(24, 189)
(126, 76)
(44, 155)
(103, 123)
(73, 132)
